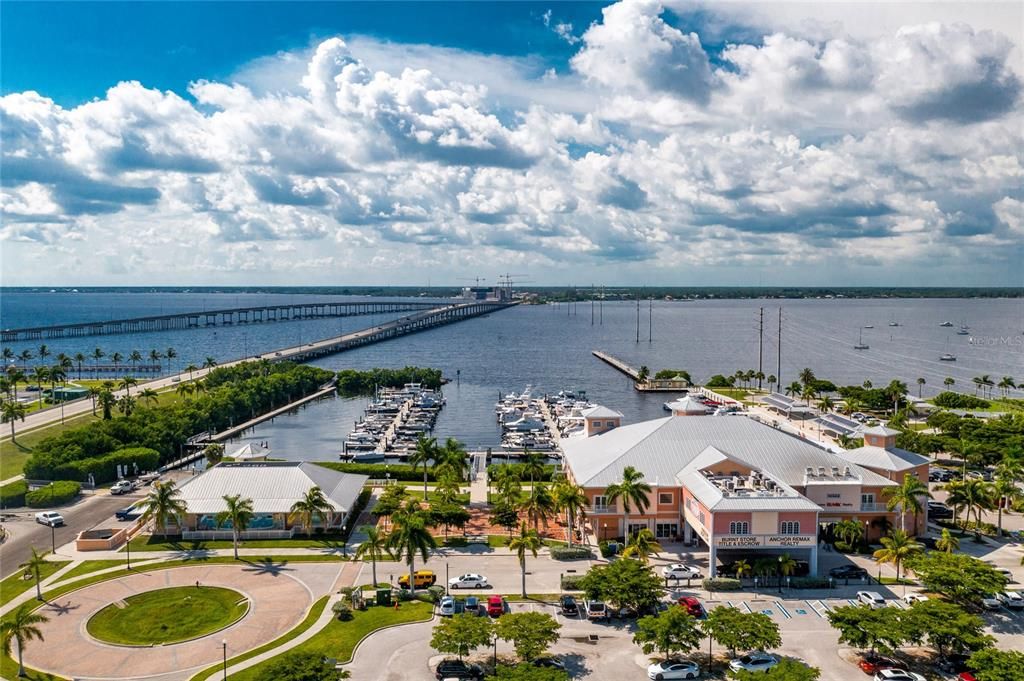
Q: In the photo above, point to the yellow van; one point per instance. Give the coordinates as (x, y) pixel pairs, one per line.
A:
(424, 578)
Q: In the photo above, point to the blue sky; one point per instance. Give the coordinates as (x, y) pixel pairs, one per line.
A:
(639, 141)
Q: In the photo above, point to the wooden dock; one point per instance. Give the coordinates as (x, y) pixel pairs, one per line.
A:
(651, 385)
(618, 364)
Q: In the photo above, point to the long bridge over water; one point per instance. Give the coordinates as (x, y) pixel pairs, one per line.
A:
(226, 317)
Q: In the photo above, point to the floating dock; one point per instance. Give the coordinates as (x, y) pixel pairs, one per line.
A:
(651, 385)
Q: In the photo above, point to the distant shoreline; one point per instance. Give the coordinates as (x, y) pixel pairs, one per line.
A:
(562, 293)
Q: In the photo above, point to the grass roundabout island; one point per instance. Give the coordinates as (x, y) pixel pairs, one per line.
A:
(167, 615)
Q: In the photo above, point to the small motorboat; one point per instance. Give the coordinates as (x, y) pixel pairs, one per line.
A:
(947, 357)
(947, 324)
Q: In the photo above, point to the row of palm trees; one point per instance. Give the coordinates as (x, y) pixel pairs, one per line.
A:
(985, 384)
(971, 496)
(69, 362)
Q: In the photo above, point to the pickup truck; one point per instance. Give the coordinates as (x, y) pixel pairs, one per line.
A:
(122, 487)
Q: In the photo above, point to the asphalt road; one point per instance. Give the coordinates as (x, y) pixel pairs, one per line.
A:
(26, 532)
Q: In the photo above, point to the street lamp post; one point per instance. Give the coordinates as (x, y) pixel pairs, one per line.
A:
(495, 653)
(224, 647)
(53, 537)
(128, 547)
(446, 579)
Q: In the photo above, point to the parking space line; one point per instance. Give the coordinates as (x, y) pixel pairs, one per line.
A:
(851, 601)
(782, 608)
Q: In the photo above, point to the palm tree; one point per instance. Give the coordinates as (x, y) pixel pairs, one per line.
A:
(528, 540)
(572, 499)
(15, 376)
(25, 356)
(643, 374)
(374, 547)
(149, 396)
(33, 565)
(641, 545)
(209, 363)
(423, 455)
(920, 385)
(135, 357)
(21, 628)
(743, 569)
(807, 376)
(98, 354)
(126, 405)
(771, 382)
(948, 382)
(454, 458)
(826, 404)
(170, 354)
(44, 352)
(163, 503)
(867, 385)
(127, 383)
(116, 358)
(895, 392)
(410, 536)
(1005, 384)
(808, 394)
(539, 506)
(238, 512)
(632, 490)
(79, 359)
(532, 464)
(977, 384)
(849, 531)
(896, 548)
(190, 368)
(448, 489)
(313, 505)
(986, 383)
(787, 565)
(907, 497)
(185, 390)
(11, 412)
(970, 495)
(507, 485)
(155, 357)
(793, 389)
(947, 542)
(1005, 491)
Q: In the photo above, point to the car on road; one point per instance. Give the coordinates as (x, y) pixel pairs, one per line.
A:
(122, 487)
(457, 669)
(872, 663)
(424, 578)
(447, 607)
(1011, 599)
(549, 662)
(939, 511)
(848, 572)
(990, 602)
(674, 669)
(127, 513)
(495, 606)
(467, 581)
(693, 606)
(897, 675)
(756, 661)
(910, 599)
(569, 606)
(596, 610)
(871, 598)
(680, 571)
(50, 518)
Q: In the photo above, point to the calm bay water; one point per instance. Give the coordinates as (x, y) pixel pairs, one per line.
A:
(545, 347)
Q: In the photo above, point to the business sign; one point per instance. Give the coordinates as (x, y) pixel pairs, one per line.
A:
(764, 541)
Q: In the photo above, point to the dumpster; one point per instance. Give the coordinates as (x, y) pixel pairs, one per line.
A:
(383, 596)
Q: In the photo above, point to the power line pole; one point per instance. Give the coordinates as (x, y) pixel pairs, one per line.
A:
(637, 317)
(778, 369)
(600, 308)
(591, 304)
(650, 321)
(760, 349)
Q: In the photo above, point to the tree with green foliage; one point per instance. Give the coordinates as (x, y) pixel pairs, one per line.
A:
(20, 627)
(214, 453)
(641, 545)
(849, 531)
(424, 455)
(449, 515)
(374, 547)
(993, 664)
(633, 491)
(787, 669)
(410, 536)
(623, 583)
(462, 634)
(738, 630)
(237, 513)
(312, 505)
(297, 666)
(531, 463)
(959, 577)
(448, 489)
(528, 672)
(10, 412)
(390, 500)
(163, 503)
(504, 515)
(896, 548)
(907, 497)
(947, 542)
(673, 632)
(452, 457)
(868, 628)
(946, 627)
(572, 499)
(530, 633)
(33, 566)
(539, 505)
(527, 541)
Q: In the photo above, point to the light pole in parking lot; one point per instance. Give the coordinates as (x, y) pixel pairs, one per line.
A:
(446, 579)
(53, 536)
(224, 647)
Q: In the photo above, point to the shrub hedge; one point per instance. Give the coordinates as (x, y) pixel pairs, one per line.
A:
(572, 582)
(54, 494)
(952, 400)
(546, 476)
(574, 553)
(402, 472)
(104, 468)
(722, 584)
(352, 382)
(13, 494)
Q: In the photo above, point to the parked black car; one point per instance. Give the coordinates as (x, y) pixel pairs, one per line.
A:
(569, 606)
(847, 572)
(457, 669)
(937, 510)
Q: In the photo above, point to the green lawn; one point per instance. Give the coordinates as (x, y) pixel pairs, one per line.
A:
(499, 540)
(145, 542)
(9, 669)
(143, 619)
(338, 639)
(14, 585)
(432, 495)
(87, 566)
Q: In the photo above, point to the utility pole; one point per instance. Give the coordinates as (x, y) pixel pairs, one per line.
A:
(760, 349)
(637, 317)
(591, 304)
(778, 369)
(600, 307)
(650, 321)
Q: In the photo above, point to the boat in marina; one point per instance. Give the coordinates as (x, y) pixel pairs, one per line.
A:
(861, 345)
(869, 326)
(964, 330)
(393, 422)
(947, 357)
(946, 324)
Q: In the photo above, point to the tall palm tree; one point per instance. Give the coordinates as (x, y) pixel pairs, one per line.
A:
(826, 404)
(116, 358)
(527, 540)
(977, 384)
(947, 542)
(374, 547)
(11, 412)
(126, 405)
(409, 536)
(807, 376)
(423, 455)
(920, 385)
(539, 506)
(126, 384)
(970, 495)
(238, 512)
(149, 396)
(641, 545)
(79, 359)
(532, 464)
(15, 376)
(507, 484)
(907, 497)
(454, 458)
(1005, 384)
(97, 355)
(163, 503)
(447, 489)
(21, 628)
(135, 357)
(787, 565)
(190, 368)
(33, 565)
(1005, 491)
(313, 505)
(39, 376)
(632, 490)
(155, 356)
(896, 548)
(948, 382)
(808, 393)
(44, 352)
(185, 390)
(794, 389)
(170, 354)
(209, 363)
(25, 356)
(572, 499)
(771, 382)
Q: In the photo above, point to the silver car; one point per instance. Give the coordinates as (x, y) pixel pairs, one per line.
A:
(673, 669)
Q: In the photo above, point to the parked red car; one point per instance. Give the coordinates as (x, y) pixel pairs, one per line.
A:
(692, 606)
(495, 606)
(872, 664)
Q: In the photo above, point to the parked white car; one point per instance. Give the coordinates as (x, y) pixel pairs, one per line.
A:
(680, 571)
(754, 662)
(990, 602)
(467, 581)
(1011, 599)
(898, 675)
(910, 599)
(122, 487)
(674, 669)
(51, 518)
(871, 598)
(447, 606)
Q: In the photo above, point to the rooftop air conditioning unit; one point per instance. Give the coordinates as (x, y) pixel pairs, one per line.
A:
(846, 472)
(730, 485)
(835, 471)
(821, 471)
(770, 484)
(809, 471)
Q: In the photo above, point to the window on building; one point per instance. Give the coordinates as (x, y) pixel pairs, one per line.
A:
(789, 527)
(700, 517)
(739, 528)
(666, 530)
(600, 501)
(867, 498)
(664, 497)
(597, 424)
